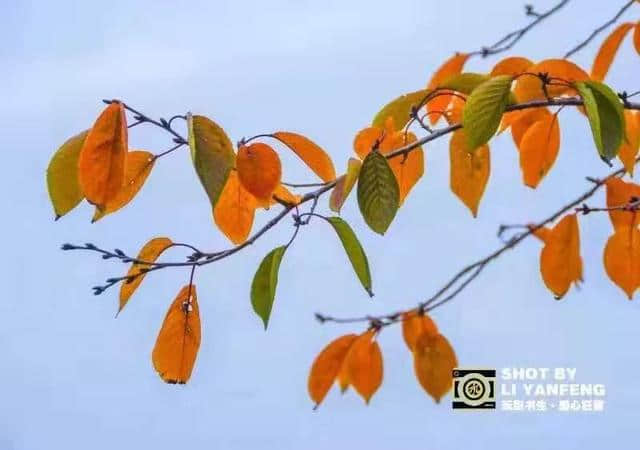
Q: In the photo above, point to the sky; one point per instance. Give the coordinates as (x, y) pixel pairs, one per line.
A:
(75, 378)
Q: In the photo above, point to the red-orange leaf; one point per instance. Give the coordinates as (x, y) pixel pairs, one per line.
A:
(560, 260)
(608, 50)
(102, 159)
(622, 259)
(235, 210)
(629, 149)
(364, 365)
(312, 155)
(469, 171)
(452, 66)
(433, 361)
(327, 366)
(529, 87)
(259, 169)
(512, 65)
(538, 149)
(174, 354)
(621, 193)
(415, 325)
(636, 37)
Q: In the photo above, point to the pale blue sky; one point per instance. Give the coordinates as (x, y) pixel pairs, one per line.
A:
(75, 378)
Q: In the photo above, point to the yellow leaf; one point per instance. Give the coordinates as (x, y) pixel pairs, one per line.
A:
(312, 155)
(149, 253)
(452, 66)
(529, 87)
(433, 361)
(259, 169)
(102, 158)
(560, 261)
(620, 193)
(539, 149)
(629, 149)
(608, 50)
(344, 185)
(512, 65)
(235, 210)
(622, 259)
(327, 366)
(364, 365)
(176, 349)
(415, 325)
(62, 176)
(137, 168)
(469, 171)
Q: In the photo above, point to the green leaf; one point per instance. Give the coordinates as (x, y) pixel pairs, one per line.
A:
(265, 282)
(399, 109)
(484, 108)
(354, 250)
(344, 184)
(464, 83)
(606, 117)
(62, 176)
(212, 154)
(378, 192)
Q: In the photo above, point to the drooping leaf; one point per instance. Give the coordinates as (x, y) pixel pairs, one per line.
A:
(378, 192)
(539, 149)
(560, 260)
(483, 110)
(364, 365)
(622, 259)
(434, 360)
(176, 349)
(259, 169)
(102, 158)
(309, 152)
(451, 67)
(606, 117)
(212, 154)
(415, 325)
(407, 169)
(512, 65)
(636, 38)
(628, 151)
(265, 282)
(354, 250)
(235, 210)
(529, 86)
(137, 168)
(149, 253)
(344, 185)
(62, 176)
(621, 193)
(523, 120)
(469, 171)
(327, 366)
(399, 109)
(608, 50)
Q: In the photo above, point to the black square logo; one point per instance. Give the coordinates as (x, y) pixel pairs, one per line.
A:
(474, 389)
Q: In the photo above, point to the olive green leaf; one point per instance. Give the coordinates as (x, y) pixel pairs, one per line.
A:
(354, 250)
(378, 192)
(265, 282)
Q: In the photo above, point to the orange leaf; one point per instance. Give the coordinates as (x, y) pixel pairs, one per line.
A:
(608, 51)
(282, 193)
(407, 169)
(525, 119)
(414, 325)
(327, 366)
(452, 66)
(179, 338)
(636, 37)
(433, 361)
(364, 365)
(454, 113)
(538, 149)
(560, 261)
(137, 168)
(149, 253)
(101, 163)
(542, 233)
(365, 140)
(235, 210)
(629, 149)
(529, 87)
(512, 65)
(469, 171)
(622, 259)
(312, 155)
(259, 169)
(620, 193)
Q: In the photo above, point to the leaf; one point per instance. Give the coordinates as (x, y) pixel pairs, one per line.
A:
(149, 253)
(62, 176)
(259, 169)
(327, 366)
(176, 349)
(415, 325)
(378, 192)
(620, 193)
(464, 83)
(469, 171)
(399, 109)
(407, 169)
(354, 250)
(539, 149)
(212, 154)
(560, 261)
(138, 166)
(451, 67)
(433, 363)
(513, 65)
(629, 149)
(524, 120)
(265, 282)
(636, 38)
(484, 108)
(529, 87)
(365, 140)
(364, 365)
(606, 117)
(622, 259)
(283, 194)
(312, 155)
(608, 50)
(235, 210)
(344, 185)
(102, 158)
